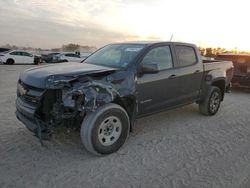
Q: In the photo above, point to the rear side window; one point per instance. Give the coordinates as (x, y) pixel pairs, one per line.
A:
(186, 55)
(160, 55)
(25, 54)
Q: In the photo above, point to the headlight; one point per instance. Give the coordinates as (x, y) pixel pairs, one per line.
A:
(72, 98)
(67, 98)
(21, 90)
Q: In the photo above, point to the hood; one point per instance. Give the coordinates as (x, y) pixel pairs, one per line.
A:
(37, 76)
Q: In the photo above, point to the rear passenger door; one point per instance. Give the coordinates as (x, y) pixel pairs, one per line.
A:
(27, 58)
(190, 72)
(157, 91)
(17, 56)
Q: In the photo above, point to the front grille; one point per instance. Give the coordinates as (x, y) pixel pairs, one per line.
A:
(29, 94)
(30, 99)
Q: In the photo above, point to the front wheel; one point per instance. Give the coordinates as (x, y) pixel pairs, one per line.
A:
(105, 130)
(10, 62)
(211, 104)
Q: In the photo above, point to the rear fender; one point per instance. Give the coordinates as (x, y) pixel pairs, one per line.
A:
(219, 82)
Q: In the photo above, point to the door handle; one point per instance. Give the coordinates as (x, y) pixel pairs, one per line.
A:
(197, 71)
(172, 76)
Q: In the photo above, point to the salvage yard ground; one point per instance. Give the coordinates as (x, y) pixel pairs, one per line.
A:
(177, 148)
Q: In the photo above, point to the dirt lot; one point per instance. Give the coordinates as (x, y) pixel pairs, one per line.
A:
(178, 148)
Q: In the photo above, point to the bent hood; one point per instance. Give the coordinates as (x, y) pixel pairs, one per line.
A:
(37, 76)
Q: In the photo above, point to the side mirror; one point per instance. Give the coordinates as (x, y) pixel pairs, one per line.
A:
(150, 68)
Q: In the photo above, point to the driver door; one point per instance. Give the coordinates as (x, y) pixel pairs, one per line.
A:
(157, 91)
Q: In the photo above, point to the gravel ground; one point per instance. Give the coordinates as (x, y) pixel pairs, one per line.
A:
(177, 148)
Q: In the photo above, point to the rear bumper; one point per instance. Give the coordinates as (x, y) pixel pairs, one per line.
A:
(25, 113)
(241, 81)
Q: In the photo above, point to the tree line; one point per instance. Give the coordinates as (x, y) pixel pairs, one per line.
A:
(65, 47)
(213, 52)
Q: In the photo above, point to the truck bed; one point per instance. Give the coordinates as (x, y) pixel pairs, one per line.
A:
(213, 65)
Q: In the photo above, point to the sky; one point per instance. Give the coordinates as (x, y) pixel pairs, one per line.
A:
(51, 23)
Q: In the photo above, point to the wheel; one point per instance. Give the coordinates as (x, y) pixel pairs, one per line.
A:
(105, 130)
(37, 60)
(10, 61)
(211, 104)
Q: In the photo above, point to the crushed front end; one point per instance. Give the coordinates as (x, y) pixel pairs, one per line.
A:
(65, 100)
(42, 110)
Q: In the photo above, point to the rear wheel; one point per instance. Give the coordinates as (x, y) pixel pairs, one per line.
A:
(37, 60)
(10, 61)
(105, 130)
(211, 104)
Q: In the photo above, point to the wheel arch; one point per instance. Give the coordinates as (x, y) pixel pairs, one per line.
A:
(129, 104)
(10, 59)
(221, 84)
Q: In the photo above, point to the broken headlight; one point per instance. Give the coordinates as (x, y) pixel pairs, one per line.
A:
(72, 98)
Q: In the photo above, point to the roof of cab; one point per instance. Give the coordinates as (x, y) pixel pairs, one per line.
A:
(154, 42)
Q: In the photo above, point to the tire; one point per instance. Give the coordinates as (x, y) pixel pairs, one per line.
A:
(105, 130)
(10, 61)
(37, 60)
(211, 104)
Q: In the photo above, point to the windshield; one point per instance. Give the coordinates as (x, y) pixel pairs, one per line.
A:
(115, 55)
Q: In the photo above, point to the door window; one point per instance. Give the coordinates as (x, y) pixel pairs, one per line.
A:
(26, 54)
(160, 55)
(186, 55)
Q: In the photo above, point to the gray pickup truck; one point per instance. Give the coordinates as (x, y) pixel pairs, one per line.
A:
(103, 95)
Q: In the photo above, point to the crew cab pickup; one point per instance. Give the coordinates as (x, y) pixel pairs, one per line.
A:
(105, 94)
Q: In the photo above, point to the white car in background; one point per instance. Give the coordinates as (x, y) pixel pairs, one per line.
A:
(84, 55)
(68, 57)
(17, 56)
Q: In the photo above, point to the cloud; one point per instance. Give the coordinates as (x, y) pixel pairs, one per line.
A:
(53, 23)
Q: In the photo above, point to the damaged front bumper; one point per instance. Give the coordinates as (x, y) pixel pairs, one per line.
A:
(26, 105)
(25, 113)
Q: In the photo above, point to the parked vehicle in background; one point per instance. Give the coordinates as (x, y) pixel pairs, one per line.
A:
(241, 64)
(48, 58)
(17, 56)
(4, 50)
(67, 57)
(84, 55)
(117, 84)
